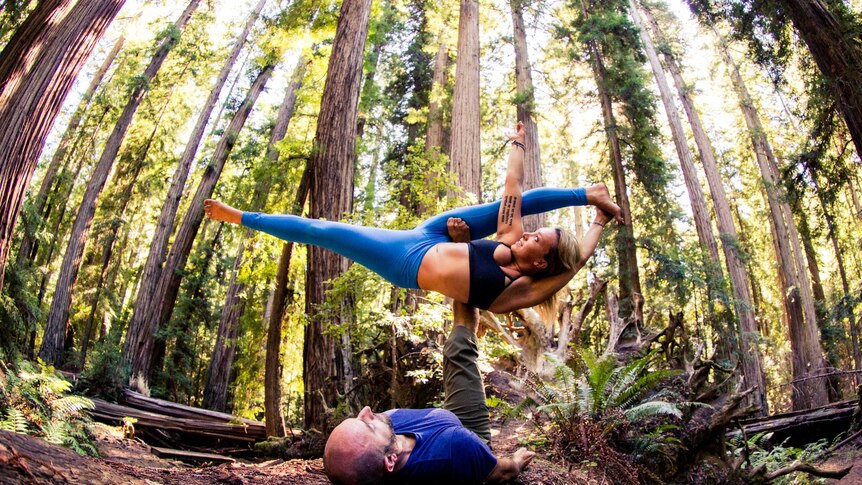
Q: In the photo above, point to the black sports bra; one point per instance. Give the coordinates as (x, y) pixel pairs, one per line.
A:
(487, 279)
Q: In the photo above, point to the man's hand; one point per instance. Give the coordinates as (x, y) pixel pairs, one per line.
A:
(522, 458)
(459, 231)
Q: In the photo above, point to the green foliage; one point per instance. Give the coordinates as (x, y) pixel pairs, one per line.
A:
(591, 415)
(33, 400)
(775, 457)
(106, 373)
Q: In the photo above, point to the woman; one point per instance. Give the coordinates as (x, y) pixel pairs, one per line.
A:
(516, 270)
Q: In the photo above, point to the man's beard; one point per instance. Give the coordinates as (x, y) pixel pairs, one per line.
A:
(393, 440)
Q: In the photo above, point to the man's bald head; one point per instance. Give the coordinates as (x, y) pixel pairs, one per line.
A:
(361, 450)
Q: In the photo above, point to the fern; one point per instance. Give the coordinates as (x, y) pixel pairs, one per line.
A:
(651, 409)
(69, 405)
(15, 422)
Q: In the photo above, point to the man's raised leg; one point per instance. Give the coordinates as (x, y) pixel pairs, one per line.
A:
(462, 382)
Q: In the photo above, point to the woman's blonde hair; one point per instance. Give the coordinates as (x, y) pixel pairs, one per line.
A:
(563, 257)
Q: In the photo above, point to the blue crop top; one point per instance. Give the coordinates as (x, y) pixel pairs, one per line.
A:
(487, 279)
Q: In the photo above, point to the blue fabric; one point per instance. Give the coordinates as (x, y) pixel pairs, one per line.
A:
(445, 451)
(396, 255)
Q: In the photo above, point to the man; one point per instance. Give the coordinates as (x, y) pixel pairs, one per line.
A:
(441, 446)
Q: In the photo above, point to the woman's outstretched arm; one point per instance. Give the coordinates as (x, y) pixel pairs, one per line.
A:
(510, 226)
(527, 292)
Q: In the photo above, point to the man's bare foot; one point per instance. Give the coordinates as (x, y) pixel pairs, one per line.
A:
(459, 231)
(599, 196)
(219, 211)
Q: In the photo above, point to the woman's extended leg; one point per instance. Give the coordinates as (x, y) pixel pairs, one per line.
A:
(394, 255)
(482, 218)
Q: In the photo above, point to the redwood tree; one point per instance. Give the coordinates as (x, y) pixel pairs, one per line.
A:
(325, 362)
(58, 316)
(465, 152)
(37, 69)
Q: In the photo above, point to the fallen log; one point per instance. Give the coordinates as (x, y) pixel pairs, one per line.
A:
(168, 408)
(800, 427)
(198, 434)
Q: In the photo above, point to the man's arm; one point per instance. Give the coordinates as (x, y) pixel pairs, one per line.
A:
(509, 468)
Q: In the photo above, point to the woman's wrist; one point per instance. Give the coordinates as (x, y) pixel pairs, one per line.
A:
(600, 224)
(519, 144)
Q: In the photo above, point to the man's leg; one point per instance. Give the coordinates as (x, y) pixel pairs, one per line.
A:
(462, 383)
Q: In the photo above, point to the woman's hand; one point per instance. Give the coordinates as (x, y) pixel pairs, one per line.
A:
(519, 135)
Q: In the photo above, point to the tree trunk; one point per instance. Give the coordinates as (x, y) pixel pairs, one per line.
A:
(748, 334)
(159, 305)
(117, 213)
(525, 107)
(281, 298)
(168, 214)
(837, 54)
(37, 69)
(70, 134)
(625, 241)
(807, 356)
(325, 365)
(465, 154)
(58, 315)
(216, 390)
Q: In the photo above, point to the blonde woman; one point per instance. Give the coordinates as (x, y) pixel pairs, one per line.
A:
(515, 270)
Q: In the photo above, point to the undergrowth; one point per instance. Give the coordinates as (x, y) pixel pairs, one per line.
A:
(34, 401)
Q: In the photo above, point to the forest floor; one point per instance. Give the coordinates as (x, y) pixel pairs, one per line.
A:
(25, 459)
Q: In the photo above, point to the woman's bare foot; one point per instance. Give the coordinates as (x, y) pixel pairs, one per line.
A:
(599, 196)
(219, 211)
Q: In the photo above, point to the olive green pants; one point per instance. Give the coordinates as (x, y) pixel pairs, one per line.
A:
(462, 383)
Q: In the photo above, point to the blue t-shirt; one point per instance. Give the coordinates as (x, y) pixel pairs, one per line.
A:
(445, 452)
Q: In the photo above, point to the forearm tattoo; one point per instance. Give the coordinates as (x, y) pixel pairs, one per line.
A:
(507, 211)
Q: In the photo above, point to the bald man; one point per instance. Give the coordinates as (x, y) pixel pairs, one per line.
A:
(439, 446)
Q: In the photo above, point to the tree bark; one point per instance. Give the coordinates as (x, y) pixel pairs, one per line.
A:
(465, 153)
(748, 334)
(281, 298)
(807, 355)
(216, 389)
(66, 142)
(326, 361)
(838, 56)
(167, 216)
(37, 69)
(525, 108)
(138, 347)
(58, 315)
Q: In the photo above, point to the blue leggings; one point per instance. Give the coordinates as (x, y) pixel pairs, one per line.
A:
(396, 255)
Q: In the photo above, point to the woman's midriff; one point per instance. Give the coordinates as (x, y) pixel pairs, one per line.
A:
(445, 268)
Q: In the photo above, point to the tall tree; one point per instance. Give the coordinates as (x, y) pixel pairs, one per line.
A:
(331, 196)
(749, 354)
(465, 152)
(807, 355)
(37, 69)
(58, 316)
(167, 216)
(216, 390)
(140, 339)
(66, 142)
(629, 277)
(525, 103)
